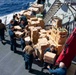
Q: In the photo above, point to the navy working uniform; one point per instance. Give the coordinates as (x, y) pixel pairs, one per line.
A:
(29, 50)
(23, 18)
(22, 25)
(2, 31)
(41, 1)
(22, 43)
(12, 37)
(15, 22)
(45, 64)
(58, 71)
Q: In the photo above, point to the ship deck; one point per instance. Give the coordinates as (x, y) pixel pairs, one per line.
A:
(13, 63)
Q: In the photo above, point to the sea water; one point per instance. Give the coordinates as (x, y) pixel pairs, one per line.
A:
(10, 7)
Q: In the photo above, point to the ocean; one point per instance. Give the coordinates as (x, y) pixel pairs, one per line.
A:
(10, 6)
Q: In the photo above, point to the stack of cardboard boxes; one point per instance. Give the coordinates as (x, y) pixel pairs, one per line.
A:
(36, 10)
(42, 45)
(44, 38)
(58, 38)
(58, 34)
(18, 31)
(33, 22)
(42, 24)
(17, 28)
(57, 22)
(34, 36)
(40, 6)
(36, 22)
(28, 14)
(19, 34)
(61, 35)
(34, 33)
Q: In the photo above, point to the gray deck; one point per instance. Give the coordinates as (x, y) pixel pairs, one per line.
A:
(13, 63)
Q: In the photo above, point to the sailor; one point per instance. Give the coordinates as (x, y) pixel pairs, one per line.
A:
(22, 24)
(29, 54)
(50, 49)
(2, 32)
(16, 17)
(40, 1)
(62, 70)
(15, 21)
(23, 18)
(12, 36)
(22, 42)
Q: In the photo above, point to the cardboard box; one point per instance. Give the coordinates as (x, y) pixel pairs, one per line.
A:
(49, 57)
(31, 27)
(38, 28)
(43, 31)
(42, 45)
(48, 32)
(42, 35)
(60, 40)
(34, 9)
(42, 24)
(40, 6)
(34, 19)
(34, 36)
(27, 38)
(59, 47)
(38, 51)
(54, 29)
(19, 34)
(42, 40)
(51, 42)
(28, 13)
(62, 31)
(17, 27)
(53, 36)
(34, 23)
(57, 22)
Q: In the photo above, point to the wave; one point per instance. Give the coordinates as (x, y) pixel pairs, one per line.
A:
(12, 8)
(9, 7)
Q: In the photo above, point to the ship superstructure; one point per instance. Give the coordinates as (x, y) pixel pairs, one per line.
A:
(64, 9)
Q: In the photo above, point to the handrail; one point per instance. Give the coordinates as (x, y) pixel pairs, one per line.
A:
(51, 6)
(72, 7)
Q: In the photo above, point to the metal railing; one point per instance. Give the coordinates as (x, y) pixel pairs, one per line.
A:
(50, 11)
